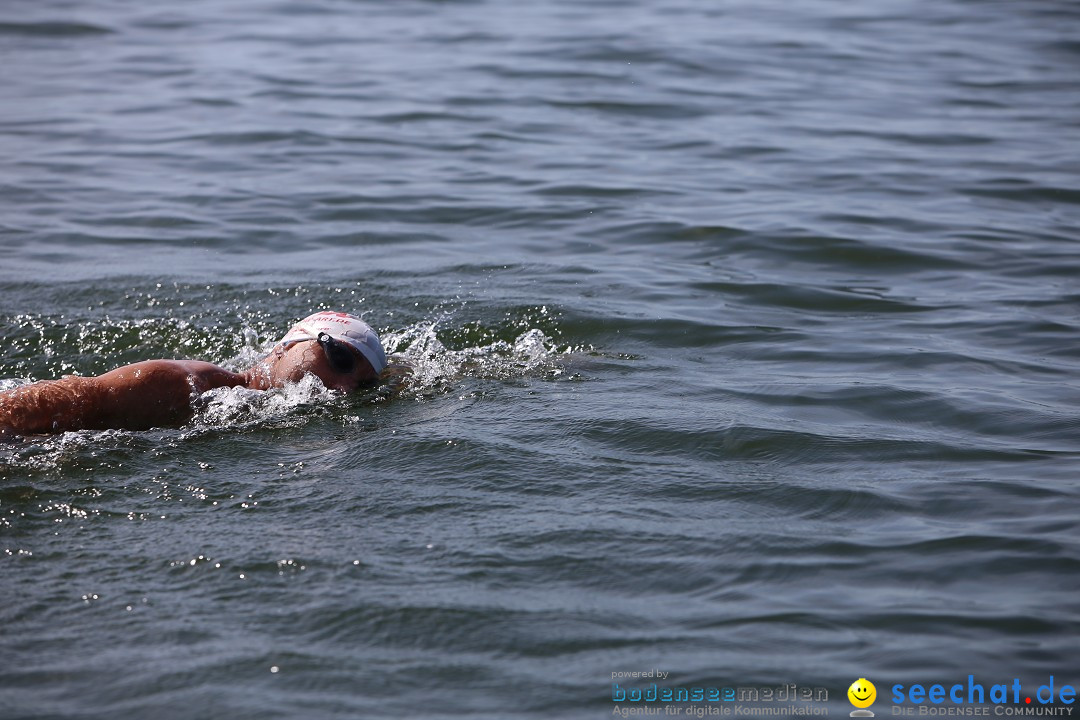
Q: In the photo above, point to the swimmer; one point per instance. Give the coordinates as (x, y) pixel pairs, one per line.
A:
(339, 349)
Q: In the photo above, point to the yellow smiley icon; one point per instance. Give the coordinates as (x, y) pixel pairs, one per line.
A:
(862, 693)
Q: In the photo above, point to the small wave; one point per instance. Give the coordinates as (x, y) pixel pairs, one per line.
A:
(52, 29)
(45, 454)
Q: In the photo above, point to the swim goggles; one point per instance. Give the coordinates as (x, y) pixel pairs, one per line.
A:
(337, 353)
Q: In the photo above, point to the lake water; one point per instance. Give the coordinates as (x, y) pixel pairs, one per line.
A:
(746, 338)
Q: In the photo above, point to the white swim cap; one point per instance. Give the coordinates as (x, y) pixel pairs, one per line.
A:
(344, 327)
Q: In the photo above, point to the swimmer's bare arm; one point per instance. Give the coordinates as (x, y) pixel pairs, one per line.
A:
(147, 394)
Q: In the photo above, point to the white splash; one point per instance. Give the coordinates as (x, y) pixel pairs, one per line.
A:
(433, 366)
(240, 407)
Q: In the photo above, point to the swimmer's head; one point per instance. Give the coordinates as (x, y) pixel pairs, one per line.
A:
(340, 349)
(345, 328)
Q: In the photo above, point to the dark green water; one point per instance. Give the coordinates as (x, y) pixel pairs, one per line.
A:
(745, 334)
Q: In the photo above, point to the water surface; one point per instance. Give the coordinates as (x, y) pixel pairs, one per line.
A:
(745, 338)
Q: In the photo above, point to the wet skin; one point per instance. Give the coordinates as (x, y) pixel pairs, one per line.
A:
(158, 393)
